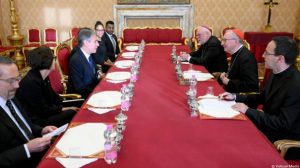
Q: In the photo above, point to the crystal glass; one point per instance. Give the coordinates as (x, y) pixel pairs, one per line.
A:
(210, 90)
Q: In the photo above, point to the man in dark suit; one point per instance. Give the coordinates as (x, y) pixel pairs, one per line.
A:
(111, 41)
(21, 144)
(210, 54)
(83, 75)
(242, 75)
(280, 118)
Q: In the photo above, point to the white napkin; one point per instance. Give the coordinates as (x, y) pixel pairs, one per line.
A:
(200, 76)
(118, 76)
(116, 81)
(185, 62)
(208, 96)
(75, 162)
(100, 110)
(132, 48)
(83, 140)
(217, 108)
(124, 63)
(105, 99)
(128, 54)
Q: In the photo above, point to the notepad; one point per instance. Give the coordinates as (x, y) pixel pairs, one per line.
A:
(57, 132)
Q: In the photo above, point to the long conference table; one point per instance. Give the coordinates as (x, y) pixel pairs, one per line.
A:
(161, 133)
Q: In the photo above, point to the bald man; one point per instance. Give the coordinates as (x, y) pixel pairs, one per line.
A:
(211, 53)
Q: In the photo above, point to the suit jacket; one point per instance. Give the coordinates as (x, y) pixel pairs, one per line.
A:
(242, 72)
(101, 56)
(82, 78)
(38, 97)
(109, 46)
(281, 106)
(12, 152)
(211, 55)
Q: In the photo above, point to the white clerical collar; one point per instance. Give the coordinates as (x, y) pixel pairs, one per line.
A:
(238, 48)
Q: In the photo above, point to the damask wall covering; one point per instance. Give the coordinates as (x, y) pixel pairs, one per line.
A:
(249, 15)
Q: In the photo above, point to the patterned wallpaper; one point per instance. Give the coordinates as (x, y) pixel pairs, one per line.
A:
(248, 15)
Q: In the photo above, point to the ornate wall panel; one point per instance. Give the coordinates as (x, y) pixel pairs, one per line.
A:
(249, 15)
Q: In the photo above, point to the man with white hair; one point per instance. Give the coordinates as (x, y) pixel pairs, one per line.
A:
(210, 54)
(242, 74)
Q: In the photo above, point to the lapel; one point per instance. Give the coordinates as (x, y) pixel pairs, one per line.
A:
(10, 124)
(109, 41)
(85, 62)
(276, 88)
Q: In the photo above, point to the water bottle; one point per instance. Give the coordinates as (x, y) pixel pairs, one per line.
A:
(110, 152)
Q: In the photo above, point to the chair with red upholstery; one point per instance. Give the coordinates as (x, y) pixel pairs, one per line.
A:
(50, 37)
(63, 51)
(74, 32)
(152, 35)
(33, 38)
(59, 84)
(7, 51)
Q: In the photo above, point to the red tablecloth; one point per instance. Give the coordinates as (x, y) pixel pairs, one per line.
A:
(258, 42)
(160, 132)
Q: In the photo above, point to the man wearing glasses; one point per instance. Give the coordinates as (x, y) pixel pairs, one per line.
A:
(280, 98)
(23, 144)
(210, 54)
(242, 74)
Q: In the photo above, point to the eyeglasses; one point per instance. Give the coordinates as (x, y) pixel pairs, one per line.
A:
(99, 30)
(224, 39)
(12, 80)
(267, 53)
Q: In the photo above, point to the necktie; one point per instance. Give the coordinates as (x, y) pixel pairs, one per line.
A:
(91, 62)
(18, 119)
(113, 43)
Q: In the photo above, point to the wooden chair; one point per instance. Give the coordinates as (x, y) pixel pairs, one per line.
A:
(63, 51)
(50, 37)
(74, 32)
(59, 85)
(284, 145)
(33, 38)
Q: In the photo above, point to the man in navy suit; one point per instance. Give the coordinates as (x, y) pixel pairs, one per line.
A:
(21, 144)
(111, 41)
(83, 76)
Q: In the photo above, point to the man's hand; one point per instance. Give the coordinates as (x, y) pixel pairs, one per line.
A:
(227, 96)
(184, 56)
(241, 107)
(48, 129)
(38, 144)
(224, 78)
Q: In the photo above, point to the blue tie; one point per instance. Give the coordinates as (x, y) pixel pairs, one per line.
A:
(91, 62)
